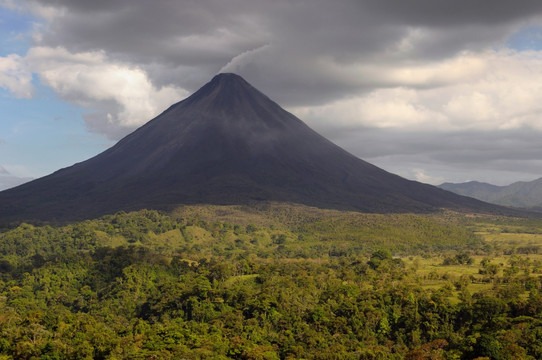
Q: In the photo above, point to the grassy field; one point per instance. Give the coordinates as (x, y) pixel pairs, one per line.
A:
(511, 247)
(501, 251)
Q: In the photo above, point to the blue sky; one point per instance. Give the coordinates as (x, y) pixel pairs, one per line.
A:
(14, 28)
(42, 134)
(429, 95)
(527, 38)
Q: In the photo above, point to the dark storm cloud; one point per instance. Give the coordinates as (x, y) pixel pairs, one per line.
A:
(445, 13)
(446, 146)
(187, 42)
(298, 53)
(457, 25)
(314, 52)
(199, 36)
(499, 157)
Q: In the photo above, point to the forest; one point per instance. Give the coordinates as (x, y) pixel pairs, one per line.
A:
(274, 282)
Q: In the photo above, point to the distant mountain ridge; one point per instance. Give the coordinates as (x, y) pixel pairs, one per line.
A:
(525, 194)
(225, 144)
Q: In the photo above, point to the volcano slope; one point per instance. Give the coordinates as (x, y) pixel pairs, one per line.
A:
(226, 144)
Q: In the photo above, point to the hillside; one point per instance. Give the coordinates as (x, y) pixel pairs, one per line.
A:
(525, 194)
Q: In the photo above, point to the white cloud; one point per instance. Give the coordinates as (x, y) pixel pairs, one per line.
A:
(471, 109)
(15, 76)
(461, 68)
(7, 181)
(17, 170)
(385, 108)
(421, 176)
(494, 90)
(121, 96)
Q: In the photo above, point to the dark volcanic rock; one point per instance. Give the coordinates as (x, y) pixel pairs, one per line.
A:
(226, 144)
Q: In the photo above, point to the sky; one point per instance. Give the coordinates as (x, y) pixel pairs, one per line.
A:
(433, 90)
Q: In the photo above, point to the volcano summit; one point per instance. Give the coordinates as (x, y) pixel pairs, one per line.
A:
(226, 144)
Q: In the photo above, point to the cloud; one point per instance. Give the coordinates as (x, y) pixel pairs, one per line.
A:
(417, 82)
(314, 42)
(421, 176)
(499, 157)
(316, 52)
(8, 181)
(443, 13)
(500, 91)
(15, 76)
(121, 95)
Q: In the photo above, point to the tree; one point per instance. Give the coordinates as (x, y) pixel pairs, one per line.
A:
(378, 257)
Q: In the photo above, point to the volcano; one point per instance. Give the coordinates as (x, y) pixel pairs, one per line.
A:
(226, 144)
